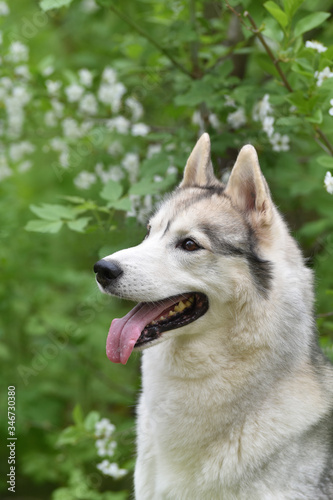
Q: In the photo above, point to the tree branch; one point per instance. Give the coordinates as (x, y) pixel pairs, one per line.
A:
(150, 39)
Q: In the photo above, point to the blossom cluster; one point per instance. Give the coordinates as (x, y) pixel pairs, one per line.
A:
(328, 181)
(262, 112)
(236, 119)
(106, 446)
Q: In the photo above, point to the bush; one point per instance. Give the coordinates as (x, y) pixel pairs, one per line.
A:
(101, 106)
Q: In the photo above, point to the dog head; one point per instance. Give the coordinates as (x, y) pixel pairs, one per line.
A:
(207, 245)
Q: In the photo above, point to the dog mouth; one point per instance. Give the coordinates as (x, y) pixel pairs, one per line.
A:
(147, 321)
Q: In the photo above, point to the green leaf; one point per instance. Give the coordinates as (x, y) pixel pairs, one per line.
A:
(277, 13)
(111, 191)
(291, 6)
(43, 226)
(145, 186)
(317, 117)
(309, 22)
(78, 415)
(70, 435)
(90, 421)
(325, 161)
(79, 224)
(74, 199)
(53, 4)
(53, 212)
(314, 228)
(122, 204)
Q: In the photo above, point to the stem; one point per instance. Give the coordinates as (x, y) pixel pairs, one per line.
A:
(150, 39)
(195, 44)
(324, 315)
(275, 61)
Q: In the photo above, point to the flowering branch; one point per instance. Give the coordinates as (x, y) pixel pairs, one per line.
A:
(323, 142)
(150, 39)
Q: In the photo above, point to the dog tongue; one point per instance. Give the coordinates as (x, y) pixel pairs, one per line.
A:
(124, 332)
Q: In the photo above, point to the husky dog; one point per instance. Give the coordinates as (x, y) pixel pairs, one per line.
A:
(237, 399)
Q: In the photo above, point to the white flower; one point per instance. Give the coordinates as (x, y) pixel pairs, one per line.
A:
(114, 173)
(262, 109)
(58, 108)
(172, 170)
(6, 82)
(323, 75)
(109, 75)
(237, 119)
(21, 95)
(84, 180)
(104, 428)
(214, 121)
(280, 142)
(52, 86)
(64, 159)
(229, 101)
(47, 71)
(330, 111)
(153, 149)
(131, 164)
(319, 47)
(88, 104)
(101, 447)
(4, 9)
(119, 123)
(86, 77)
(23, 71)
(71, 128)
(197, 119)
(135, 107)
(50, 119)
(111, 469)
(15, 116)
(158, 178)
(58, 144)
(328, 181)
(267, 125)
(115, 148)
(74, 92)
(111, 94)
(89, 6)
(19, 149)
(24, 166)
(140, 129)
(5, 171)
(18, 52)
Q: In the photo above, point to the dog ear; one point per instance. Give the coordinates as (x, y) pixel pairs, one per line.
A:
(248, 188)
(199, 169)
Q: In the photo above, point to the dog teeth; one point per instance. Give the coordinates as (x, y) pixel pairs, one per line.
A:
(177, 309)
(180, 307)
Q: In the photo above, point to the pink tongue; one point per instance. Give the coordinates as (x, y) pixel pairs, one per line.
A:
(124, 332)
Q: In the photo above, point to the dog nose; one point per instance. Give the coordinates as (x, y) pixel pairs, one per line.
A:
(107, 271)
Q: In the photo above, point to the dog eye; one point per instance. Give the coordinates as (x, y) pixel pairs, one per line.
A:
(189, 245)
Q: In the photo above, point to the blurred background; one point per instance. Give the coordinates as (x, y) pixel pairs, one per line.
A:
(100, 105)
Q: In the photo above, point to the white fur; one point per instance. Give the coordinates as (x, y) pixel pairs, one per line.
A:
(227, 401)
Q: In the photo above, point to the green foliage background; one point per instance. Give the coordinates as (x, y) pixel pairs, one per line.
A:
(174, 58)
